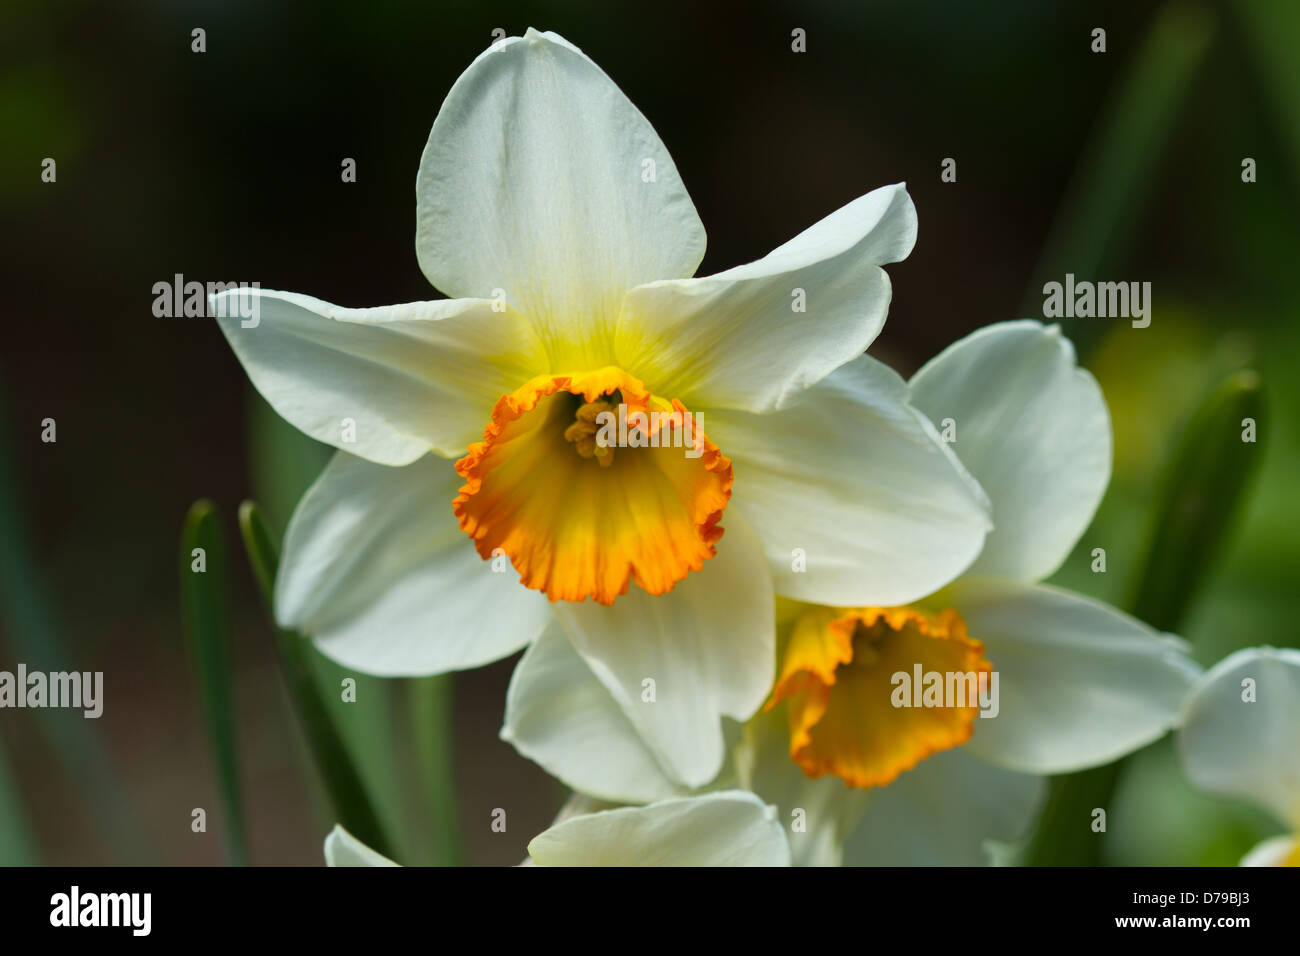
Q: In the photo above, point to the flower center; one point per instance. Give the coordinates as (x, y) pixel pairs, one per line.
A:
(584, 525)
(871, 692)
(585, 434)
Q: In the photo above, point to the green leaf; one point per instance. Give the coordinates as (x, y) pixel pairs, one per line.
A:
(16, 846)
(337, 770)
(33, 635)
(1272, 31)
(283, 463)
(207, 632)
(1201, 490)
(263, 553)
(1094, 225)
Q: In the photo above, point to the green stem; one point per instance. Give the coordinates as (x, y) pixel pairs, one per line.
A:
(431, 712)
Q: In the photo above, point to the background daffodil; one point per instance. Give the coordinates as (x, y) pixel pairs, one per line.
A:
(1240, 737)
(551, 212)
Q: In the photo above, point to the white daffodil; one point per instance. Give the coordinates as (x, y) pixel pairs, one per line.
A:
(470, 433)
(1240, 737)
(888, 699)
(727, 828)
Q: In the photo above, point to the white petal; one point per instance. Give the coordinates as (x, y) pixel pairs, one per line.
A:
(1034, 429)
(709, 645)
(343, 849)
(559, 715)
(532, 183)
(1242, 748)
(734, 340)
(825, 808)
(376, 569)
(1272, 852)
(411, 377)
(1079, 683)
(941, 813)
(729, 828)
(855, 481)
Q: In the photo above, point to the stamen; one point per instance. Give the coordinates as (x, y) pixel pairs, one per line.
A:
(583, 431)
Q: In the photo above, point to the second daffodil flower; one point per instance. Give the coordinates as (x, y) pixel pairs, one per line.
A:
(1240, 737)
(915, 733)
(551, 213)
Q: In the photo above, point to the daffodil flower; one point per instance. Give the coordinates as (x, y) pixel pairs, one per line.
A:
(726, 828)
(863, 745)
(1240, 737)
(550, 211)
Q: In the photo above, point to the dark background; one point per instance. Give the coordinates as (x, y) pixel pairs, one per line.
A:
(225, 166)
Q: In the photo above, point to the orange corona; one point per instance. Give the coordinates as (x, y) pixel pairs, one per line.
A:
(576, 518)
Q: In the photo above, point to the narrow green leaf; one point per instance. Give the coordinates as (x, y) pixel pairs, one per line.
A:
(346, 790)
(1094, 225)
(1202, 485)
(283, 463)
(207, 632)
(1272, 30)
(1201, 489)
(16, 845)
(263, 553)
(365, 722)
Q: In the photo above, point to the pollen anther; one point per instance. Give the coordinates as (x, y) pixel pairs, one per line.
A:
(583, 433)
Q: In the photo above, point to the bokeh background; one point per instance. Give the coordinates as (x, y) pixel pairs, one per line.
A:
(225, 166)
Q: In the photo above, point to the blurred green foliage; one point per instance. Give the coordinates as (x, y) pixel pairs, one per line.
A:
(1187, 547)
(351, 793)
(17, 847)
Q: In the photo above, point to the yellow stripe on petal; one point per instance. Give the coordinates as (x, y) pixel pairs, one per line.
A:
(578, 517)
(852, 715)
